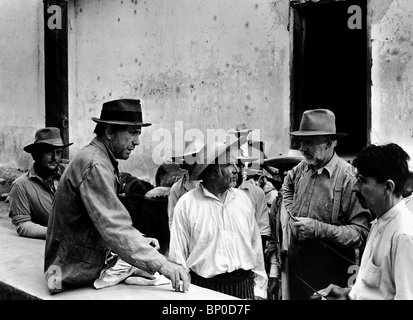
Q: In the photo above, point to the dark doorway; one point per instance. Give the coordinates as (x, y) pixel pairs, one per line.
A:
(331, 68)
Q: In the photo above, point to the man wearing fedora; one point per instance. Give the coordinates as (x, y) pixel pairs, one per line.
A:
(88, 222)
(187, 162)
(32, 194)
(214, 232)
(327, 221)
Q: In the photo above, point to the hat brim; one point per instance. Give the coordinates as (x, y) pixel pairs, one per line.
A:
(277, 161)
(121, 123)
(35, 146)
(233, 131)
(316, 133)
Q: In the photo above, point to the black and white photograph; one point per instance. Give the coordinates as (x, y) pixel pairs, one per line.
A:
(219, 157)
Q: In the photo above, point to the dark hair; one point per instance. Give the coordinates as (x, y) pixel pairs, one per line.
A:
(100, 128)
(384, 162)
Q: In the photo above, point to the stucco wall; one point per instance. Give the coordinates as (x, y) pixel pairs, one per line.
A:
(21, 79)
(392, 72)
(194, 64)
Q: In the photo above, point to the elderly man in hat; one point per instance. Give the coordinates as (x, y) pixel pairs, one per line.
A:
(214, 231)
(385, 271)
(186, 162)
(327, 221)
(32, 194)
(88, 222)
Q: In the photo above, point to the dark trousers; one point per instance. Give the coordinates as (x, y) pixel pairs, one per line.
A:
(317, 265)
(239, 283)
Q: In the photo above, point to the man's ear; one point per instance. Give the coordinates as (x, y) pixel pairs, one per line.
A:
(390, 185)
(108, 131)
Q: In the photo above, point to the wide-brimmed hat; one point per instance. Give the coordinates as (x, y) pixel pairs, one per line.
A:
(122, 112)
(240, 128)
(213, 153)
(289, 158)
(317, 122)
(49, 136)
(191, 149)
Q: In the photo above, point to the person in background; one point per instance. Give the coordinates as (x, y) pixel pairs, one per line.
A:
(32, 194)
(89, 228)
(408, 188)
(386, 266)
(256, 195)
(327, 222)
(186, 162)
(277, 252)
(214, 233)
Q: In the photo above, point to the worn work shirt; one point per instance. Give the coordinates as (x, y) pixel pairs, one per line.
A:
(211, 237)
(30, 203)
(259, 203)
(88, 221)
(386, 267)
(178, 189)
(310, 193)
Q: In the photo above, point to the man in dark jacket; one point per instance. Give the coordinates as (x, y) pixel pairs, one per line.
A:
(88, 222)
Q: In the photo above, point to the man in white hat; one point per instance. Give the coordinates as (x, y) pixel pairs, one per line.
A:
(32, 194)
(214, 232)
(88, 222)
(327, 221)
(186, 162)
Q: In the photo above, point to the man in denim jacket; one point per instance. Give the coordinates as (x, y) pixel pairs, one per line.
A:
(88, 222)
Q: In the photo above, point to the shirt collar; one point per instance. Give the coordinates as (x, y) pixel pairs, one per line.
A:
(390, 214)
(100, 144)
(56, 175)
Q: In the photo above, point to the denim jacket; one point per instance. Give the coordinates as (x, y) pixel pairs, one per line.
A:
(88, 222)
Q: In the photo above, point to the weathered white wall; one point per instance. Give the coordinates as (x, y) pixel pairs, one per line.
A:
(194, 64)
(392, 72)
(21, 79)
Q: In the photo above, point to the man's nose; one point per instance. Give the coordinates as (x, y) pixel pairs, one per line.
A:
(136, 141)
(356, 187)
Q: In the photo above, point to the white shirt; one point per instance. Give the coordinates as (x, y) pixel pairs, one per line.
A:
(386, 267)
(212, 237)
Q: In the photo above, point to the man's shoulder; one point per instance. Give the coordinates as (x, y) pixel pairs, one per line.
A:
(21, 180)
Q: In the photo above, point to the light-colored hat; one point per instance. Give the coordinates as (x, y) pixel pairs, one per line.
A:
(126, 112)
(49, 136)
(291, 157)
(191, 149)
(240, 128)
(213, 153)
(318, 122)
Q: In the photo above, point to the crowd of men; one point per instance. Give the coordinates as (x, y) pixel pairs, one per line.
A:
(229, 232)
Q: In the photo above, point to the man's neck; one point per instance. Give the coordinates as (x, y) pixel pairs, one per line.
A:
(216, 191)
(390, 203)
(320, 165)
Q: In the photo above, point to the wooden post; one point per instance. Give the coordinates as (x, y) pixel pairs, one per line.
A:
(56, 67)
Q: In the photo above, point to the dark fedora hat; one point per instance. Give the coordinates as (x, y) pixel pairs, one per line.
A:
(49, 136)
(317, 122)
(126, 112)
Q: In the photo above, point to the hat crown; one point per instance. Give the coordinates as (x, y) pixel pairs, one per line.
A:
(240, 126)
(193, 146)
(318, 120)
(47, 134)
